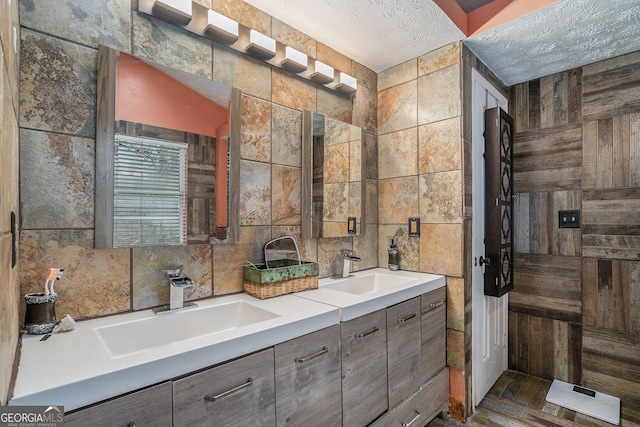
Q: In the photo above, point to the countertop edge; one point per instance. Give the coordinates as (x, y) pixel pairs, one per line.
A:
(171, 367)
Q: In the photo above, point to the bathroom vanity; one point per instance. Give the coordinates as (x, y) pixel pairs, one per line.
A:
(289, 360)
(393, 345)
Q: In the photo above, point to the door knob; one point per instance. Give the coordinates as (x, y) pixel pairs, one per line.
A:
(486, 261)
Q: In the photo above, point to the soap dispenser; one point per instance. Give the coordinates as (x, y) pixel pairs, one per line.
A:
(394, 257)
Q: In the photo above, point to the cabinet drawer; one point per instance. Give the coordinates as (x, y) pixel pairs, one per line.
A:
(434, 332)
(421, 407)
(237, 393)
(364, 368)
(308, 384)
(404, 348)
(148, 407)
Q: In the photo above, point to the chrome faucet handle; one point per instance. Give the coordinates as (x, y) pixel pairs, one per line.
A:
(350, 255)
(173, 270)
(178, 282)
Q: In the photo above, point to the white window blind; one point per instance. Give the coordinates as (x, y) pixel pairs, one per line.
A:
(150, 188)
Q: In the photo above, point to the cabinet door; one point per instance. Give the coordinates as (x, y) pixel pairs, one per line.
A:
(404, 347)
(148, 407)
(364, 368)
(237, 393)
(430, 400)
(308, 386)
(434, 332)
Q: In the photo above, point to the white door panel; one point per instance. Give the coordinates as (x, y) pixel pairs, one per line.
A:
(489, 326)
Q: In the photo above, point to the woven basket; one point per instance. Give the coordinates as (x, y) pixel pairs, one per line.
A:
(269, 290)
(286, 276)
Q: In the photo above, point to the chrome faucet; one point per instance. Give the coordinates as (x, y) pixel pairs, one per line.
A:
(348, 256)
(178, 282)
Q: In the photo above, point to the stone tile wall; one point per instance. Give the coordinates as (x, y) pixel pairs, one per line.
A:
(419, 121)
(57, 148)
(420, 172)
(9, 285)
(419, 109)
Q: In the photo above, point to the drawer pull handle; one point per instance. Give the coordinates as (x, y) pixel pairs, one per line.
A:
(406, 319)
(312, 356)
(434, 305)
(366, 333)
(412, 420)
(217, 397)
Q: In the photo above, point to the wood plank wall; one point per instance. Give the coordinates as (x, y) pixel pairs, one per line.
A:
(577, 291)
(545, 307)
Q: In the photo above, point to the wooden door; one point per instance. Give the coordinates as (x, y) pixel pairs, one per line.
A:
(404, 350)
(148, 407)
(237, 393)
(364, 368)
(434, 332)
(308, 383)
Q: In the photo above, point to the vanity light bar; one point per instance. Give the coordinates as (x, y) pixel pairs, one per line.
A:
(221, 27)
(261, 46)
(294, 60)
(201, 20)
(178, 12)
(322, 73)
(346, 83)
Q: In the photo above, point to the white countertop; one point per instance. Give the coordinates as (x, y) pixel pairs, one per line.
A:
(75, 368)
(106, 357)
(396, 286)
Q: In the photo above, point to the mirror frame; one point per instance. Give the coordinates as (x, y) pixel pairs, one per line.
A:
(105, 137)
(307, 179)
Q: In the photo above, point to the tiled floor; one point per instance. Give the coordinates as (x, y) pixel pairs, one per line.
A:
(518, 400)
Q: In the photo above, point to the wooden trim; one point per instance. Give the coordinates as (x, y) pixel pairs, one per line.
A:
(106, 112)
(219, 229)
(363, 184)
(307, 175)
(234, 166)
(105, 135)
(307, 197)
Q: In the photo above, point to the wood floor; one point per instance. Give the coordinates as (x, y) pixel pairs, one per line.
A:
(518, 400)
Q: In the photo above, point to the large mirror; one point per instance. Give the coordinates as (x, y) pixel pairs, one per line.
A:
(167, 155)
(332, 177)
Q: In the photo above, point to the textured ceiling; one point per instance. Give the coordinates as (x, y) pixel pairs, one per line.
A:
(376, 33)
(558, 37)
(382, 33)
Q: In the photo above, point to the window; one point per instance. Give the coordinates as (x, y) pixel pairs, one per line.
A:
(149, 191)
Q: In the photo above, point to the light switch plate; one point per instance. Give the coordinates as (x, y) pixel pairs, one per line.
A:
(414, 226)
(569, 219)
(351, 225)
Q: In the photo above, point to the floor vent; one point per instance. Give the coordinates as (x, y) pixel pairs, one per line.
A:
(586, 401)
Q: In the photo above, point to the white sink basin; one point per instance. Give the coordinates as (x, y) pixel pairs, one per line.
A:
(108, 356)
(370, 290)
(369, 283)
(167, 328)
